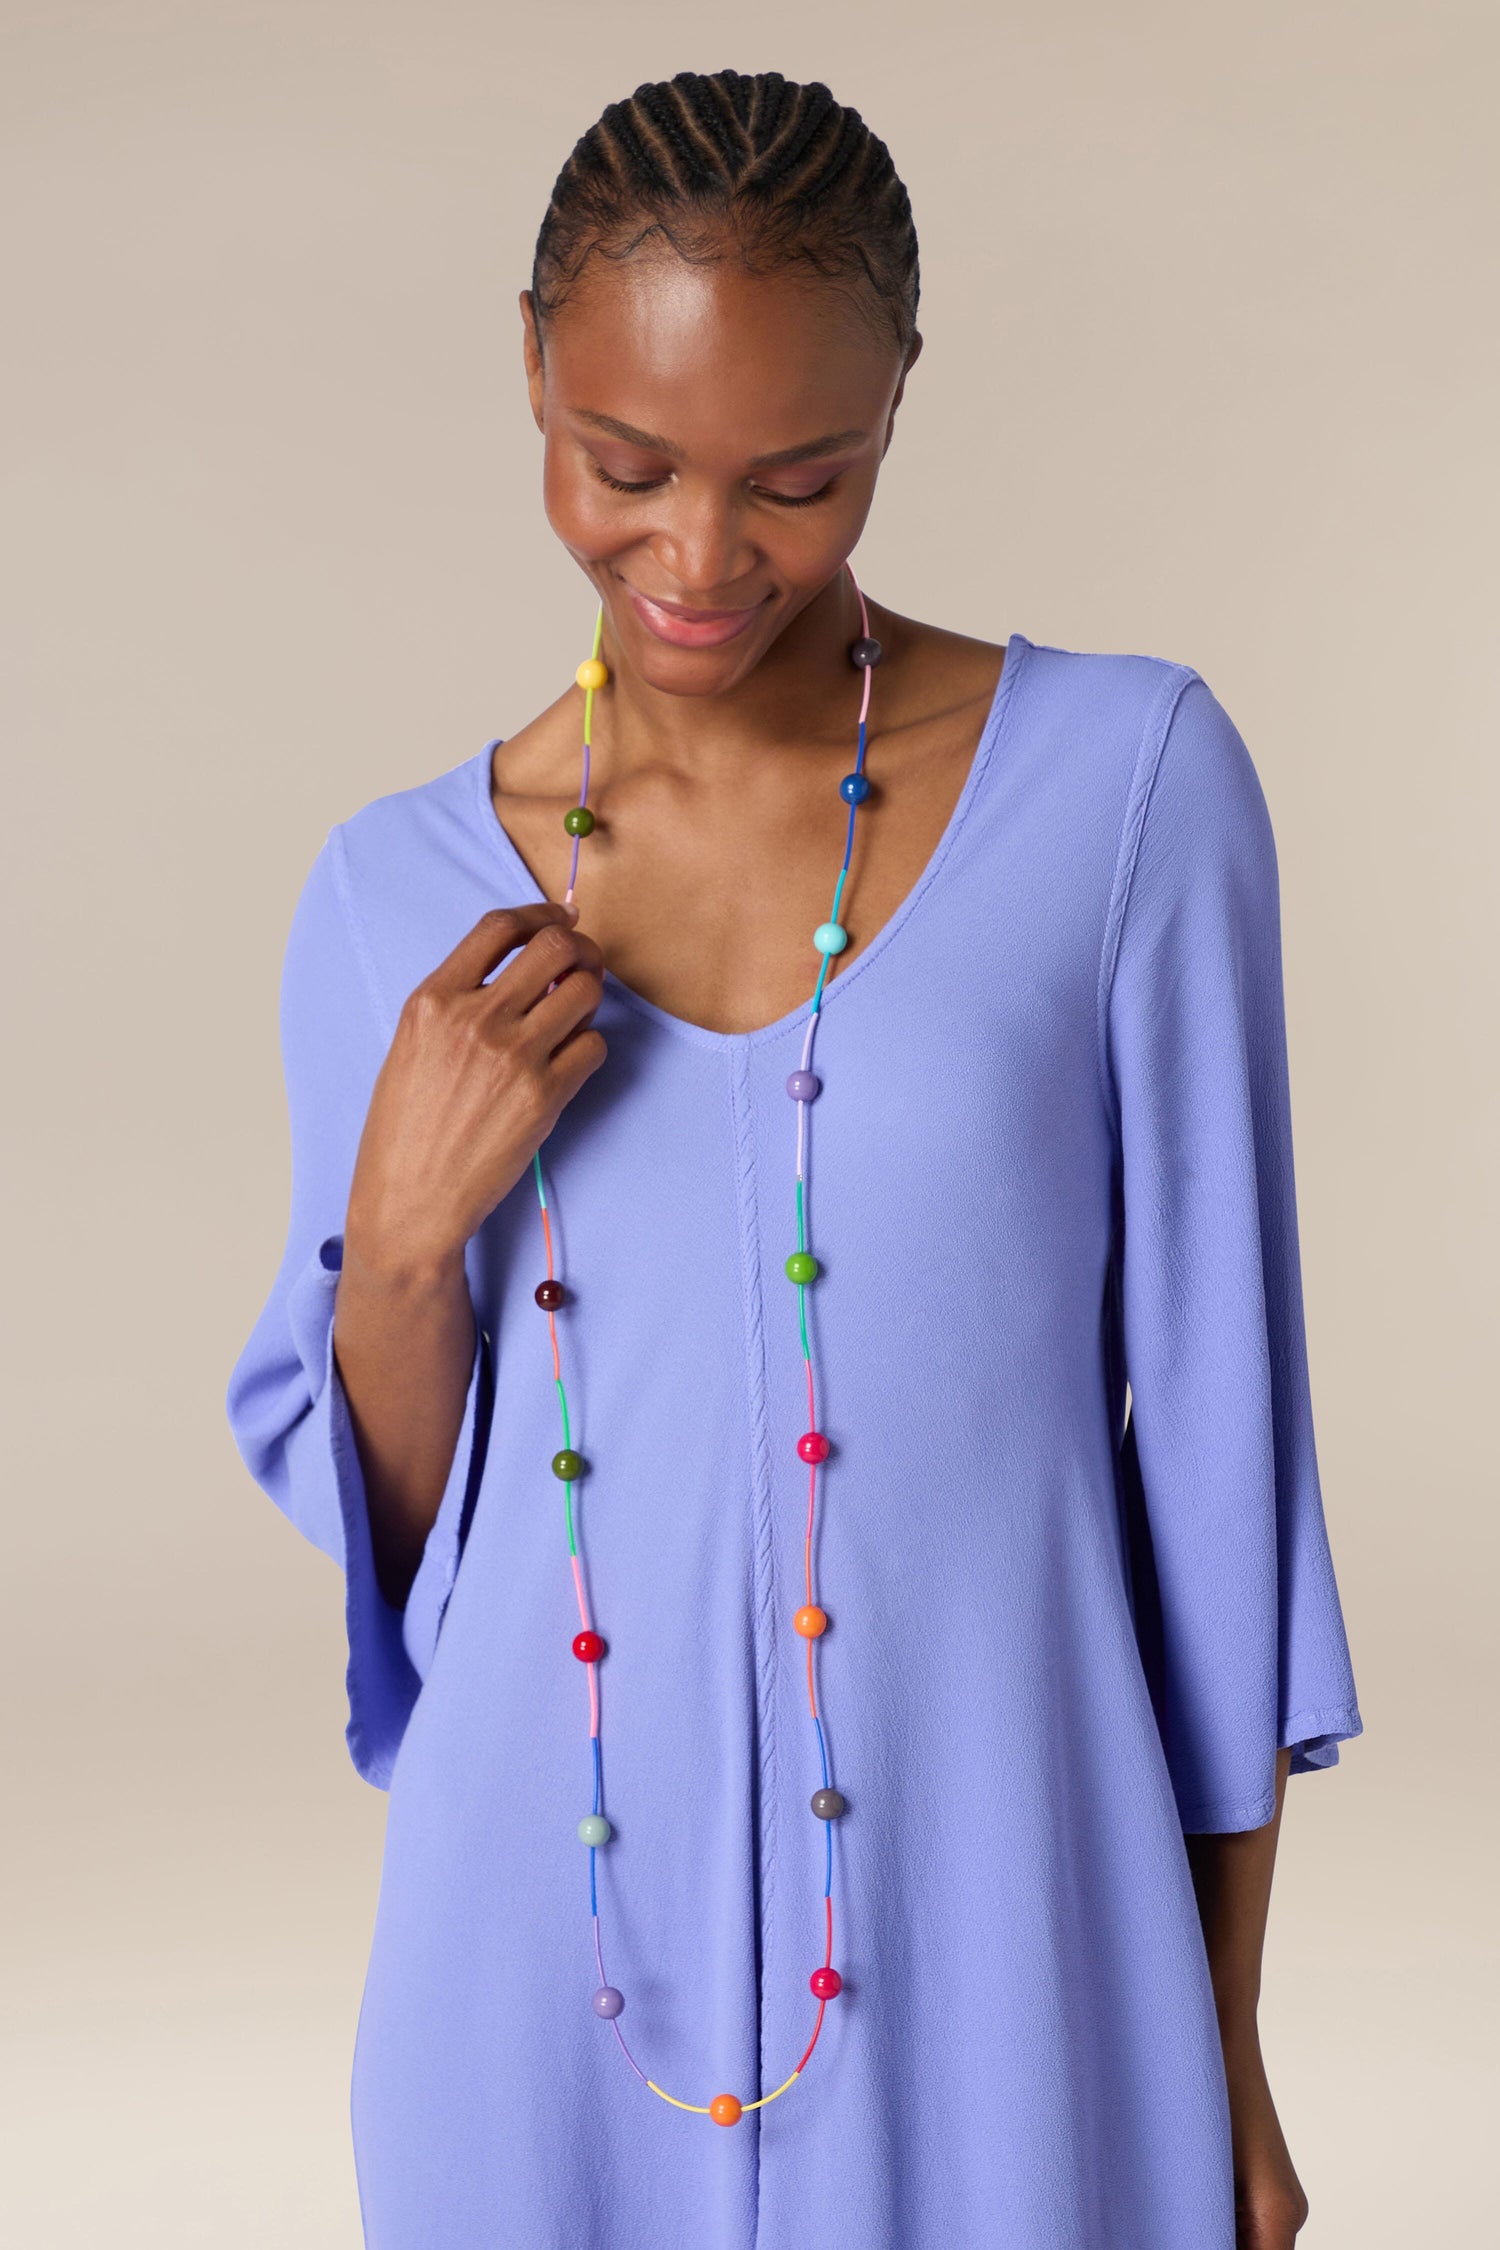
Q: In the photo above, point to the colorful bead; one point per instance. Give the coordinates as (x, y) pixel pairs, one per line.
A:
(804, 1085)
(830, 937)
(579, 822)
(826, 1983)
(724, 2109)
(567, 1464)
(854, 788)
(549, 1295)
(594, 1829)
(813, 1446)
(587, 1647)
(866, 652)
(608, 2001)
(811, 1621)
(802, 1266)
(593, 672)
(827, 1804)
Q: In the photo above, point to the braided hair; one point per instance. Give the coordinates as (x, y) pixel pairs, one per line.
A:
(780, 172)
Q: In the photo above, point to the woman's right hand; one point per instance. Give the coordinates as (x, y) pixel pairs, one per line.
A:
(476, 1077)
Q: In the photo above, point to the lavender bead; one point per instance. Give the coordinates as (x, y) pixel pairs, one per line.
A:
(804, 1085)
(608, 2001)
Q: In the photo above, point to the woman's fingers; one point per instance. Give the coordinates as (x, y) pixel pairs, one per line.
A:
(555, 951)
(495, 934)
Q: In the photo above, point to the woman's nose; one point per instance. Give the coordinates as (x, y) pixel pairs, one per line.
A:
(702, 547)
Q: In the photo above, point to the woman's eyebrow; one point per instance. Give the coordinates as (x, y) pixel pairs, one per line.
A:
(812, 450)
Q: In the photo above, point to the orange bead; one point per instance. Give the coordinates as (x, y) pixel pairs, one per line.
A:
(810, 1622)
(724, 2109)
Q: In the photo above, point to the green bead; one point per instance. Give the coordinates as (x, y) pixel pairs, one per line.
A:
(579, 822)
(567, 1464)
(801, 1266)
(594, 1829)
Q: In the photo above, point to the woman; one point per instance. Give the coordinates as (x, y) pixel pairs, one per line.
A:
(809, 1706)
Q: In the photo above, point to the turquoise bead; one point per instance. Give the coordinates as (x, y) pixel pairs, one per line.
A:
(801, 1266)
(830, 937)
(593, 1829)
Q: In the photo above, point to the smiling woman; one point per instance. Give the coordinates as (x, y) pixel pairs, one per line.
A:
(811, 1705)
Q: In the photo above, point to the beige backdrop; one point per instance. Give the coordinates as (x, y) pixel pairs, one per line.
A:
(1211, 373)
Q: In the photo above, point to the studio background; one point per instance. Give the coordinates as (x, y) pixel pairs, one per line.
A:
(1210, 371)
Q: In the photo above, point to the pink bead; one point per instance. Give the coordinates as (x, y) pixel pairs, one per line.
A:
(813, 1446)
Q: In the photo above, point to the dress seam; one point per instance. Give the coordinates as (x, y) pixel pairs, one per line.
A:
(1154, 734)
(338, 860)
(765, 1608)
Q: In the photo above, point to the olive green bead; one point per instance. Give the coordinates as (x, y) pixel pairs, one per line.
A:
(579, 821)
(567, 1464)
(801, 1266)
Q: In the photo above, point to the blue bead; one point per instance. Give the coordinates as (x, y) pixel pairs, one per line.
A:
(830, 937)
(854, 788)
(608, 2001)
(804, 1085)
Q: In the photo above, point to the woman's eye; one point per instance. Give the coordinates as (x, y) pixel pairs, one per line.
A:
(797, 499)
(618, 484)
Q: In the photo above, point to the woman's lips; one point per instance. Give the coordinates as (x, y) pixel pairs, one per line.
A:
(690, 628)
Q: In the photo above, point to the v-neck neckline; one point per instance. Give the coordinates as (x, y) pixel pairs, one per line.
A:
(703, 1035)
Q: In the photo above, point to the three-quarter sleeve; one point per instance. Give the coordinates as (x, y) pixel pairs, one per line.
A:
(285, 1400)
(1249, 1651)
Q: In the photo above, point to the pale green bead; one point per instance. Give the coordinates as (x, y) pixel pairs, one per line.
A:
(593, 1829)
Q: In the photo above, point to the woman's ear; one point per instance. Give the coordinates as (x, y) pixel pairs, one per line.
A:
(531, 353)
(913, 354)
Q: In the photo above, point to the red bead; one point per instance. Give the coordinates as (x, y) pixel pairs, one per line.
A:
(826, 1983)
(813, 1446)
(549, 1295)
(587, 1647)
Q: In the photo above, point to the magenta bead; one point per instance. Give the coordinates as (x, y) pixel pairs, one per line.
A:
(813, 1446)
(826, 1983)
(804, 1085)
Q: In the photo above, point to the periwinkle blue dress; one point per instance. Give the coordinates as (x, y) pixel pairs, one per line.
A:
(1052, 1152)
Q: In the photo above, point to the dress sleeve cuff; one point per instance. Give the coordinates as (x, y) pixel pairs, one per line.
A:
(390, 1649)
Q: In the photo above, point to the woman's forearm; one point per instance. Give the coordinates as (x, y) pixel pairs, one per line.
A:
(403, 1340)
(1232, 1879)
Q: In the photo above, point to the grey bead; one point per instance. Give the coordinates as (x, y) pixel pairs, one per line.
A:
(827, 1804)
(866, 652)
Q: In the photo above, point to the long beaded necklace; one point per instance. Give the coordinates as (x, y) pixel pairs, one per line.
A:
(810, 1621)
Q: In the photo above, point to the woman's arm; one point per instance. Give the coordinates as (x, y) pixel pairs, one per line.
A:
(1232, 1879)
(475, 1078)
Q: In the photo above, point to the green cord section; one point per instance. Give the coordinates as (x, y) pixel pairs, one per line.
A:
(802, 1285)
(588, 693)
(536, 1166)
(562, 1400)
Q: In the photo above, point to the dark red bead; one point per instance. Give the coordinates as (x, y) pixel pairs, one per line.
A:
(587, 1647)
(549, 1295)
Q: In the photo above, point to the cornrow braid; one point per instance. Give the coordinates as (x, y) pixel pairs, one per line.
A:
(781, 171)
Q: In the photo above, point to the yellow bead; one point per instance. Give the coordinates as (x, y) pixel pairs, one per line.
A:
(592, 672)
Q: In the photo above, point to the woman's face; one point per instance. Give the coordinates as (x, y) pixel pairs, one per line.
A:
(712, 442)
